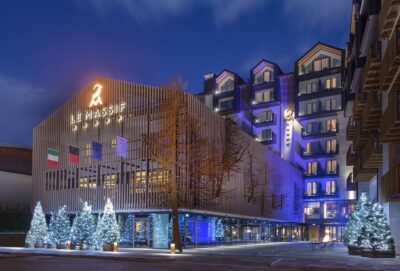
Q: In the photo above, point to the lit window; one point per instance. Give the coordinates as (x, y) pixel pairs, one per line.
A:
(312, 168)
(331, 125)
(312, 188)
(331, 146)
(330, 187)
(331, 167)
(264, 96)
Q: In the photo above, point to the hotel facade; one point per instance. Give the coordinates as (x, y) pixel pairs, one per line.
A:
(268, 209)
(301, 117)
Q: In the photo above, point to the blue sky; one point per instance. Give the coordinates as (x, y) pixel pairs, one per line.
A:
(50, 49)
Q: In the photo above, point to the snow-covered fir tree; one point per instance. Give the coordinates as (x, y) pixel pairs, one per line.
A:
(38, 232)
(219, 229)
(128, 230)
(59, 227)
(107, 227)
(380, 237)
(83, 227)
(356, 223)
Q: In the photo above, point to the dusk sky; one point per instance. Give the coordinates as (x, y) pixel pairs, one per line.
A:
(51, 49)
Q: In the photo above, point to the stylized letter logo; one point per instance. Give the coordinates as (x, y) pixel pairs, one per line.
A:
(96, 98)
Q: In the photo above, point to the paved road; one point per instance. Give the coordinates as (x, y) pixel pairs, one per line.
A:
(293, 256)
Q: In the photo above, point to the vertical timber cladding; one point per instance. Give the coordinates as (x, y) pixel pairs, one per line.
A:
(136, 183)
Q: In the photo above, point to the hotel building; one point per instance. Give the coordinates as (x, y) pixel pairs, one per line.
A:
(268, 209)
(301, 117)
(372, 84)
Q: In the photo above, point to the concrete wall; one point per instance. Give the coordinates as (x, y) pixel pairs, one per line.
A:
(15, 188)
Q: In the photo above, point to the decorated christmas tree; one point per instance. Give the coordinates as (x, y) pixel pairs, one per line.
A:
(357, 221)
(83, 227)
(59, 227)
(128, 229)
(107, 227)
(379, 229)
(38, 232)
(219, 229)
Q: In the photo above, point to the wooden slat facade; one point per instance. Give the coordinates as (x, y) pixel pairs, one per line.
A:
(137, 184)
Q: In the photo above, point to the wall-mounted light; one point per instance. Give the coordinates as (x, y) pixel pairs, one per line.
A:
(253, 102)
(216, 109)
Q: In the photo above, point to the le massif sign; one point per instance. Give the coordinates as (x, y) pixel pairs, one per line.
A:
(97, 111)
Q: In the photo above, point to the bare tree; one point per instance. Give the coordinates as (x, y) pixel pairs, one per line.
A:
(197, 165)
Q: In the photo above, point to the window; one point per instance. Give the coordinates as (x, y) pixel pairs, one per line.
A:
(331, 210)
(312, 188)
(313, 127)
(330, 83)
(109, 181)
(331, 146)
(312, 168)
(264, 77)
(266, 116)
(321, 64)
(226, 103)
(227, 86)
(331, 167)
(264, 96)
(330, 188)
(312, 107)
(311, 148)
(311, 210)
(331, 125)
(330, 105)
(311, 87)
(266, 135)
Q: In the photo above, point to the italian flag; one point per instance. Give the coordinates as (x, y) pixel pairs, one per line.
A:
(53, 157)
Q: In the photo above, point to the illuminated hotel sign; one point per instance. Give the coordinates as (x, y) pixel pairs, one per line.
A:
(96, 114)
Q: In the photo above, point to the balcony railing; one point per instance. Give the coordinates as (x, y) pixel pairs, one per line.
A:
(372, 111)
(319, 152)
(390, 123)
(318, 133)
(360, 138)
(371, 68)
(350, 184)
(361, 174)
(390, 187)
(372, 154)
(358, 105)
(390, 62)
(351, 129)
(387, 17)
(267, 140)
(260, 121)
(350, 156)
(321, 173)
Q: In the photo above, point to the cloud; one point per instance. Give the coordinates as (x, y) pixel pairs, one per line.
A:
(24, 106)
(311, 14)
(145, 12)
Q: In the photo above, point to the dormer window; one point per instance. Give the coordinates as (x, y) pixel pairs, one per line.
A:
(264, 77)
(229, 85)
(321, 64)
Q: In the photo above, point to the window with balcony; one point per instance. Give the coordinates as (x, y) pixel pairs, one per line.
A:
(266, 135)
(313, 127)
(265, 116)
(311, 87)
(321, 64)
(312, 107)
(330, 104)
(330, 83)
(264, 96)
(312, 188)
(331, 167)
(330, 188)
(312, 168)
(331, 125)
(311, 210)
(331, 146)
(311, 148)
(226, 103)
(228, 85)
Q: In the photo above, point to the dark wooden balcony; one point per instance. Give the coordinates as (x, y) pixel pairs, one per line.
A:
(372, 111)
(390, 63)
(371, 68)
(361, 174)
(372, 156)
(390, 187)
(358, 106)
(360, 138)
(387, 17)
(350, 156)
(390, 123)
(351, 129)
